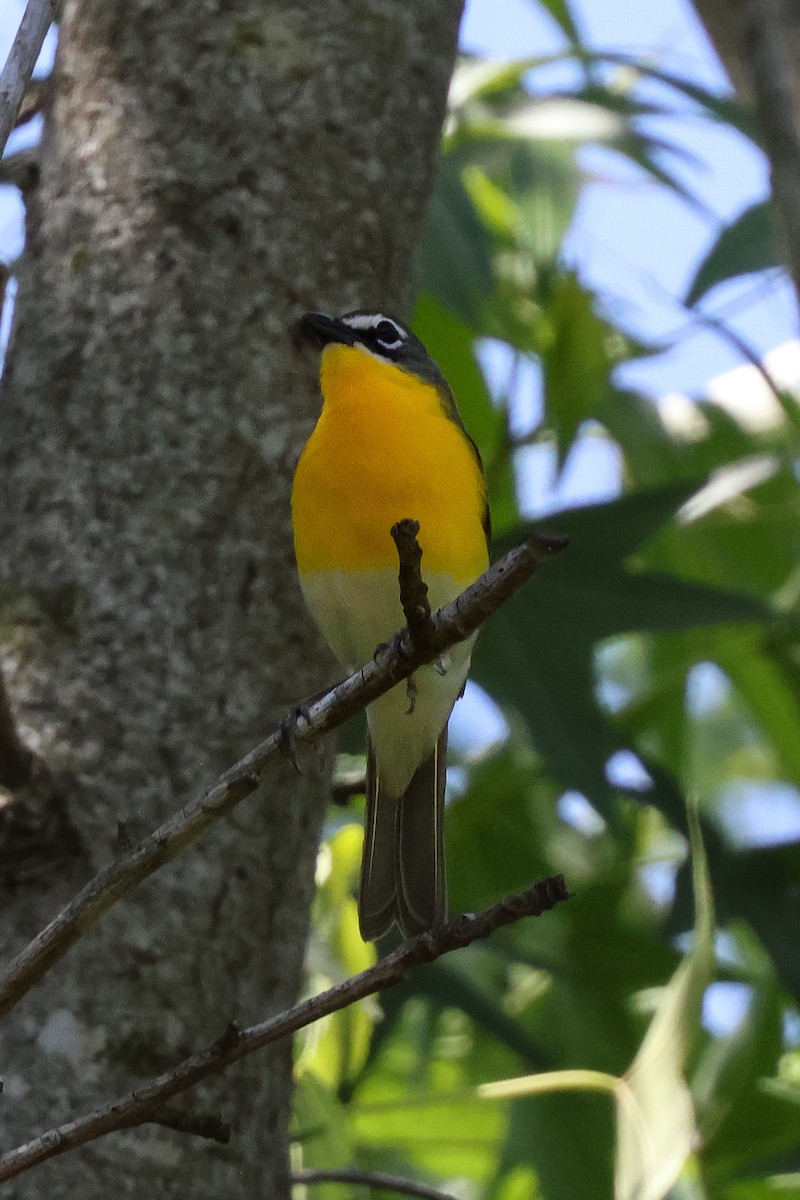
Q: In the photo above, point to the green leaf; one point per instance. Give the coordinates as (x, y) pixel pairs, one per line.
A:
(560, 12)
(770, 1187)
(744, 246)
(536, 655)
(452, 985)
(319, 1130)
(753, 540)
(772, 700)
(721, 108)
(575, 358)
(454, 259)
(761, 887)
(741, 1117)
(569, 1139)
(444, 1137)
(655, 1120)
(655, 1113)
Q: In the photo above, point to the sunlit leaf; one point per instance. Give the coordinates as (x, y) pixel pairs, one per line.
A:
(655, 1114)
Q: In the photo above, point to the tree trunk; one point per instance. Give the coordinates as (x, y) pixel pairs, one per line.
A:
(207, 173)
(759, 44)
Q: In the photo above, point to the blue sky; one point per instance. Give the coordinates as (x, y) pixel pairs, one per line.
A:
(634, 241)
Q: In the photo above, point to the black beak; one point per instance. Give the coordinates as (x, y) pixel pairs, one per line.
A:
(321, 329)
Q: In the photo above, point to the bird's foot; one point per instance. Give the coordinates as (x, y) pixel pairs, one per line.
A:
(392, 648)
(287, 733)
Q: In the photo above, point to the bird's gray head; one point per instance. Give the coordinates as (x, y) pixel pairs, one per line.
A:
(384, 337)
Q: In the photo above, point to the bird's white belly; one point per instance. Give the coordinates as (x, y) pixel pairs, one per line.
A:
(356, 612)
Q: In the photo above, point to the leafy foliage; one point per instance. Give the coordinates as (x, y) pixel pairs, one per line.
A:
(666, 640)
(746, 245)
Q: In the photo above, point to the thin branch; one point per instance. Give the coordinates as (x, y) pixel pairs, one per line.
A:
(372, 1179)
(36, 20)
(36, 96)
(729, 334)
(392, 664)
(146, 1102)
(21, 170)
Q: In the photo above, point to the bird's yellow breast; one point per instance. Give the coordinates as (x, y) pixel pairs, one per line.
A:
(383, 449)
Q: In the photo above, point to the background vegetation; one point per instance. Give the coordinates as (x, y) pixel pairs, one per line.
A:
(661, 652)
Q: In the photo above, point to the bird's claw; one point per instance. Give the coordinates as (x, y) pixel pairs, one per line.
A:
(394, 647)
(287, 734)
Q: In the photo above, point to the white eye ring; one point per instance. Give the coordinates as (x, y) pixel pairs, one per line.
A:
(391, 341)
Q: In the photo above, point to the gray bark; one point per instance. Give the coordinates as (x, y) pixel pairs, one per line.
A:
(207, 173)
(759, 44)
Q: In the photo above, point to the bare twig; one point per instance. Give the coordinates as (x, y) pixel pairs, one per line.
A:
(36, 95)
(36, 20)
(394, 663)
(372, 1179)
(784, 398)
(147, 1101)
(21, 169)
(413, 590)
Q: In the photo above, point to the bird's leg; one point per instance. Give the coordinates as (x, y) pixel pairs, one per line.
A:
(287, 730)
(411, 693)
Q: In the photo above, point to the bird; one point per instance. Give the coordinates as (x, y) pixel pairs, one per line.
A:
(389, 444)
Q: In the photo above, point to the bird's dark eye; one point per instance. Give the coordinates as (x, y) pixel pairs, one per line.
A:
(387, 333)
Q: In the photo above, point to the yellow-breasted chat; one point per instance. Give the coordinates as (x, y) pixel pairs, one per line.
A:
(389, 444)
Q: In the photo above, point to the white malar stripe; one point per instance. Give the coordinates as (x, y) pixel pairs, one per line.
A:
(358, 611)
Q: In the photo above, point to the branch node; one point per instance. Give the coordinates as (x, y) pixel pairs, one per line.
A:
(228, 1039)
(550, 544)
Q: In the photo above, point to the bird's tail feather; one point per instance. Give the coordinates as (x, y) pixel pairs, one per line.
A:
(376, 893)
(403, 866)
